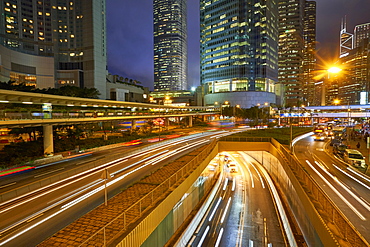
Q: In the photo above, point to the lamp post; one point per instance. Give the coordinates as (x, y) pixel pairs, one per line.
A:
(258, 108)
(299, 113)
(234, 111)
(226, 103)
(332, 70)
(266, 104)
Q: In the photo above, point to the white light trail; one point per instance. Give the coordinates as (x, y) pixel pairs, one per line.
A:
(345, 188)
(77, 200)
(358, 174)
(203, 237)
(214, 210)
(225, 184)
(337, 192)
(219, 237)
(349, 175)
(247, 158)
(226, 209)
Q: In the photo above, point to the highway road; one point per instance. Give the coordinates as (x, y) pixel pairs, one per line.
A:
(244, 212)
(32, 217)
(348, 188)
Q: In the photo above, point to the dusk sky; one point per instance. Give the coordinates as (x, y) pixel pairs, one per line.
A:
(130, 35)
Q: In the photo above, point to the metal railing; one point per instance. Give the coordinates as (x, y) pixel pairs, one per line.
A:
(82, 167)
(120, 223)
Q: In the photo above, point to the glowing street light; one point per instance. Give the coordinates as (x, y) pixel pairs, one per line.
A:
(334, 70)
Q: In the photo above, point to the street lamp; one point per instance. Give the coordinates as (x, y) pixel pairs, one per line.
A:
(299, 113)
(258, 108)
(332, 70)
(268, 113)
(234, 109)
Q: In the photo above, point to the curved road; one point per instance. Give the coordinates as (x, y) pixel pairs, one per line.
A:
(31, 218)
(244, 212)
(348, 188)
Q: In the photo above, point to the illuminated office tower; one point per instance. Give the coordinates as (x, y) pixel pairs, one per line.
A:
(361, 33)
(354, 82)
(291, 51)
(346, 40)
(239, 51)
(309, 53)
(52, 43)
(170, 45)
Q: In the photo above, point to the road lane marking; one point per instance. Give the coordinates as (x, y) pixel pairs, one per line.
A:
(7, 185)
(48, 172)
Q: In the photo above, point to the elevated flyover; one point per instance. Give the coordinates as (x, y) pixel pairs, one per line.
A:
(38, 111)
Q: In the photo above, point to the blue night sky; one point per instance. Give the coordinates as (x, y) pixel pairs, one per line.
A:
(130, 34)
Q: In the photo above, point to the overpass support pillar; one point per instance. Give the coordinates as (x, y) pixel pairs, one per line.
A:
(48, 140)
(133, 125)
(166, 123)
(190, 121)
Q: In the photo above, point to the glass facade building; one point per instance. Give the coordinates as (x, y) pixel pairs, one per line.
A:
(170, 45)
(52, 43)
(239, 50)
(309, 54)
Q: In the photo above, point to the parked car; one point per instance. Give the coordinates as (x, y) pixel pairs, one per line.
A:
(354, 157)
(339, 148)
(334, 141)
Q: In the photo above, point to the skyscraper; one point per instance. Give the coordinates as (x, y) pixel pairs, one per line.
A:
(239, 51)
(361, 33)
(170, 45)
(52, 43)
(291, 45)
(309, 53)
(346, 40)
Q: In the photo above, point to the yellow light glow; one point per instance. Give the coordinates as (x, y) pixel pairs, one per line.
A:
(334, 70)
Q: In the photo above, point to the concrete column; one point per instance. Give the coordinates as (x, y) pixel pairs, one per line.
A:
(190, 121)
(133, 124)
(48, 140)
(166, 123)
